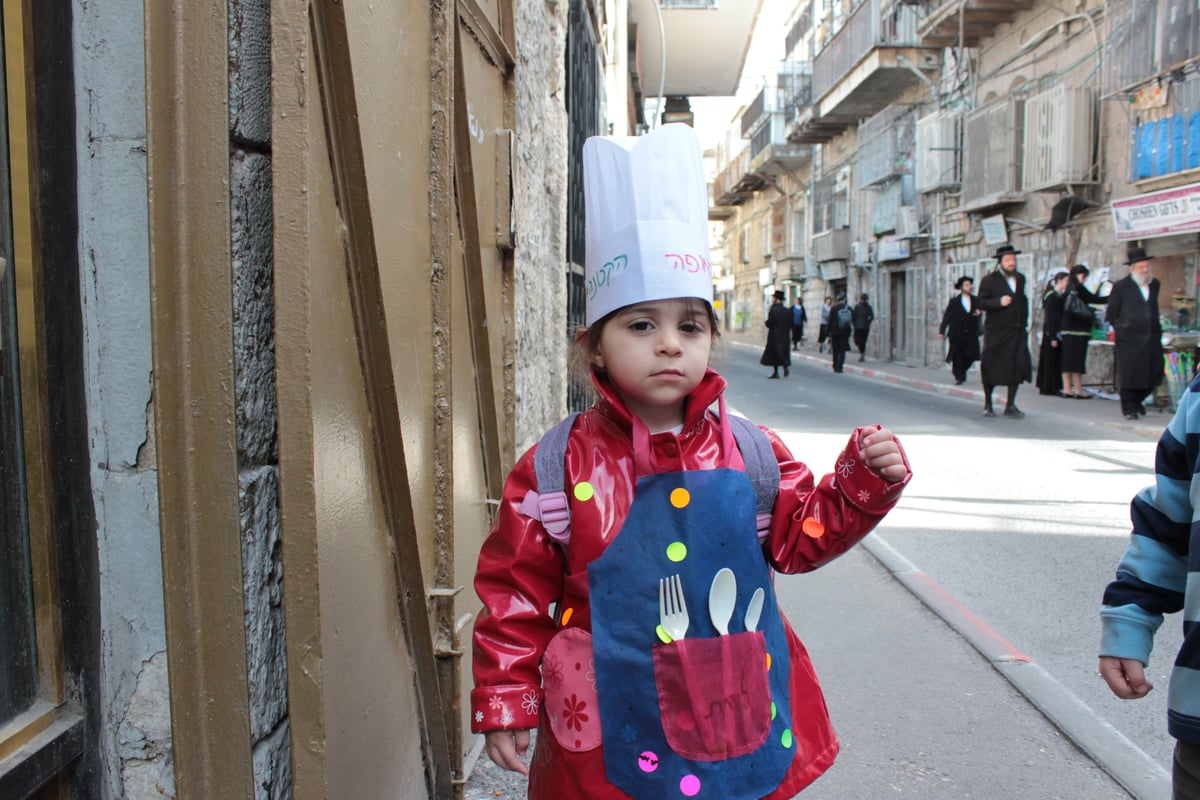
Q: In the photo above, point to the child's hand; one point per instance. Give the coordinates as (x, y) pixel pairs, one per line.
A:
(507, 748)
(882, 454)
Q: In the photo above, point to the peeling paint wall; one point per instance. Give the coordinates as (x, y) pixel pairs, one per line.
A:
(115, 284)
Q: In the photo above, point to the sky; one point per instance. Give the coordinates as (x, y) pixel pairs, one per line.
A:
(713, 114)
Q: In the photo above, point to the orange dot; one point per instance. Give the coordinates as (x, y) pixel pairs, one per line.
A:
(768, 662)
(680, 498)
(813, 528)
(566, 617)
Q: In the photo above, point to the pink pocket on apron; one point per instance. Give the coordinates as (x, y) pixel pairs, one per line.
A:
(569, 680)
(713, 695)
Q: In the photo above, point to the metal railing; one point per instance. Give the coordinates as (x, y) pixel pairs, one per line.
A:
(875, 23)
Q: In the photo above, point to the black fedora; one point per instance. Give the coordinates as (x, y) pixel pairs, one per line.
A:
(1136, 254)
(779, 295)
(1006, 249)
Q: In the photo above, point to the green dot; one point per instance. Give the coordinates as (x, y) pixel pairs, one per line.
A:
(677, 551)
(663, 635)
(584, 491)
(786, 738)
(774, 710)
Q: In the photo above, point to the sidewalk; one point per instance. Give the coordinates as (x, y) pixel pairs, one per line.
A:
(1102, 409)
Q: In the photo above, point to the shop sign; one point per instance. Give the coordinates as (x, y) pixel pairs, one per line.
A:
(891, 248)
(1166, 213)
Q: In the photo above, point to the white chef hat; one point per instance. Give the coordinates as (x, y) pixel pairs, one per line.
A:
(647, 219)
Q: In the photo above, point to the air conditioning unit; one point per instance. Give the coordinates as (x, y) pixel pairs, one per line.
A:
(907, 223)
(992, 155)
(1060, 132)
(938, 149)
(860, 252)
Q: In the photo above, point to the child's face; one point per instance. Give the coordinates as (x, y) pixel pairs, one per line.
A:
(655, 354)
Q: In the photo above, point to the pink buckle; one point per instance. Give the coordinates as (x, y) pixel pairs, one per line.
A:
(555, 516)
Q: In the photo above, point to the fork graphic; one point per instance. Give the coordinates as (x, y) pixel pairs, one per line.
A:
(672, 609)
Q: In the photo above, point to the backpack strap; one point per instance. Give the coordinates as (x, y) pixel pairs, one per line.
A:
(549, 503)
(762, 467)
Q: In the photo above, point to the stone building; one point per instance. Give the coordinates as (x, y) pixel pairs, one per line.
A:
(939, 130)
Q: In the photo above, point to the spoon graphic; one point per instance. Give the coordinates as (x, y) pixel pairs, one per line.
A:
(754, 609)
(721, 598)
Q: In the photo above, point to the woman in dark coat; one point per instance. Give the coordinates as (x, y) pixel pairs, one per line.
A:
(1076, 333)
(1137, 332)
(960, 329)
(778, 352)
(1049, 368)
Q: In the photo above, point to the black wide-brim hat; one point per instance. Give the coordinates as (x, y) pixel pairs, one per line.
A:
(1136, 254)
(1006, 249)
(779, 295)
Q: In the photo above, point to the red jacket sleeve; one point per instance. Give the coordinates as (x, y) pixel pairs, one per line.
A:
(520, 573)
(812, 525)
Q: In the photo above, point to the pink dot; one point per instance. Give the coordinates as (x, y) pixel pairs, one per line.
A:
(690, 786)
(648, 761)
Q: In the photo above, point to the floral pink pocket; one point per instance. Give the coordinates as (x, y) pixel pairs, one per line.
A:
(569, 678)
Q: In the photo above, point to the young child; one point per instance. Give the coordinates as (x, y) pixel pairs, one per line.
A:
(637, 627)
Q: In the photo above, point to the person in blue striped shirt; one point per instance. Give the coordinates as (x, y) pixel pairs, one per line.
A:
(1159, 574)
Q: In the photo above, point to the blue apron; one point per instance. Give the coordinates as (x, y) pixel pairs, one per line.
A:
(705, 715)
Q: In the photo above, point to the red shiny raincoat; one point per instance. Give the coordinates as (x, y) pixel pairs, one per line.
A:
(522, 572)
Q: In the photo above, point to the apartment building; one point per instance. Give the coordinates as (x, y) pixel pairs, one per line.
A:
(936, 131)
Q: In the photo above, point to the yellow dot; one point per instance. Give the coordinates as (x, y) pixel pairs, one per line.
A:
(680, 498)
(584, 491)
(663, 635)
(566, 617)
(677, 551)
(786, 738)
(768, 662)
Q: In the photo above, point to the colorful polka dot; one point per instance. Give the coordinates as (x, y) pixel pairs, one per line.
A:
(663, 636)
(566, 617)
(648, 761)
(584, 491)
(680, 498)
(786, 739)
(768, 662)
(813, 528)
(677, 551)
(774, 710)
(690, 786)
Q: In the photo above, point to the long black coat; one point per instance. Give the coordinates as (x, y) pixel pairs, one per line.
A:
(961, 329)
(778, 352)
(1138, 334)
(1006, 360)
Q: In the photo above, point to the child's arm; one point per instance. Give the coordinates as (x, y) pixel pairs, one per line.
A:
(520, 573)
(814, 523)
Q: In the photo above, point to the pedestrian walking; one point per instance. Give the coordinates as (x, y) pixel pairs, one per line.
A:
(1049, 368)
(823, 330)
(960, 330)
(1077, 323)
(799, 317)
(779, 326)
(1005, 360)
(1137, 331)
(1155, 577)
(841, 327)
(864, 315)
(619, 653)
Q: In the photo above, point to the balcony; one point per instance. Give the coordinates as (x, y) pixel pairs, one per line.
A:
(706, 43)
(976, 19)
(732, 186)
(874, 57)
(831, 245)
(765, 124)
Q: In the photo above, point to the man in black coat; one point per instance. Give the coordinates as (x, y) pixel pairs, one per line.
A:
(1133, 313)
(1005, 360)
(864, 315)
(960, 329)
(841, 326)
(779, 329)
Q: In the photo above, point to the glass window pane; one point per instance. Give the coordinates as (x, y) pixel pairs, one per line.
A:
(18, 667)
